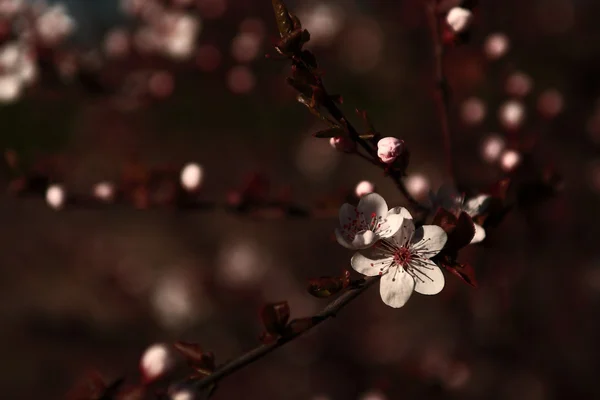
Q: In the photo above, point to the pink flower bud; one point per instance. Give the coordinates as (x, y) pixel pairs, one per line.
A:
(155, 362)
(389, 148)
(342, 143)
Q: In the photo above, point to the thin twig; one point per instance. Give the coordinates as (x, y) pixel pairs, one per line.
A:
(329, 311)
(442, 88)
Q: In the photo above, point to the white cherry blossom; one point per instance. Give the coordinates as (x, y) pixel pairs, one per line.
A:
(404, 262)
(370, 221)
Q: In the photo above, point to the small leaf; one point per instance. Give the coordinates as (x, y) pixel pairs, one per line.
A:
(285, 24)
(328, 286)
(463, 232)
(464, 271)
(445, 220)
(275, 317)
(191, 351)
(329, 133)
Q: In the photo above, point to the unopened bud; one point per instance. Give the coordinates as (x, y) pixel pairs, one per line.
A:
(342, 143)
(512, 114)
(191, 176)
(459, 19)
(363, 188)
(389, 148)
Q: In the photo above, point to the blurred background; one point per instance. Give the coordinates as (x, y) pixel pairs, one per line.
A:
(96, 94)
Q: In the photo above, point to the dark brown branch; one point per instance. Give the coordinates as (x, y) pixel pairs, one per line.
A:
(329, 311)
(442, 87)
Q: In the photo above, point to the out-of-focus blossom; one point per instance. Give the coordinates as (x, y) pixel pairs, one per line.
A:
(104, 191)
(550, 103)
(364, 188)
(245, 47)
(316, 159)
(179, 34)
(17, 69)
(492, 147)
(240, 79)
(519, 84)
(178, 302)
(473, 111)
(161, 84)
(183, 394)
(389, 148)
(510, 160)
(365, 224)
(417, 185)
(404, 262)
(191, 176)
(459, 19)
(156, 361)
(208, 57)
(324, 21)
(496, 45)
(212, 8)
(54, 24)
(362, 49)
(511, 114)
(373, 395)
(10, 88)
(117, 43)
(56, 196)
(242, 264)
(9, 8)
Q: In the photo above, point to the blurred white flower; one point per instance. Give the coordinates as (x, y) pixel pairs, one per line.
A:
(245, 47)
(179, 34)
(510, 160)
(365, 224)
(496, 45)
(104, 191)
(404, 262)
(492, 147)
(389, 148)
(417, 185)
(156, 361)
(10, 88)
(324, 21)
(55, 196)
(54, 24)
(519, 84)
(183, 394)
(459, 19)
(473, 110)
(8, 8)
(364, 188)
(241, 264)
(511, 114)
(191, 176)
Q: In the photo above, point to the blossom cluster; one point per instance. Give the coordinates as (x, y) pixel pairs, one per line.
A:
(389, 243)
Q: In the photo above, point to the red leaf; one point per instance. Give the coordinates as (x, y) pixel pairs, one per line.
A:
(328, 286)
(464, 271)
(462, 234)
(191, 351)
(275, 317)
(445, 220)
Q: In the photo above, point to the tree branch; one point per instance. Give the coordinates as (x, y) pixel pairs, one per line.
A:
(442, 87)
(259, 352)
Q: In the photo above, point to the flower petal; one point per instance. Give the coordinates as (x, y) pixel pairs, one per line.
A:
(396, 287)
(479, 234)
(401, 211)
(429, 240)
(347, 214)
(364, 239)
(364, 264)
(392, 223)
(341, 239)
(477, 205)
(405, 233)
(429, 277)
(372, 203)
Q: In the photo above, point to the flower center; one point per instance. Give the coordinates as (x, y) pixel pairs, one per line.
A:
(402, 256)
(361, 223)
